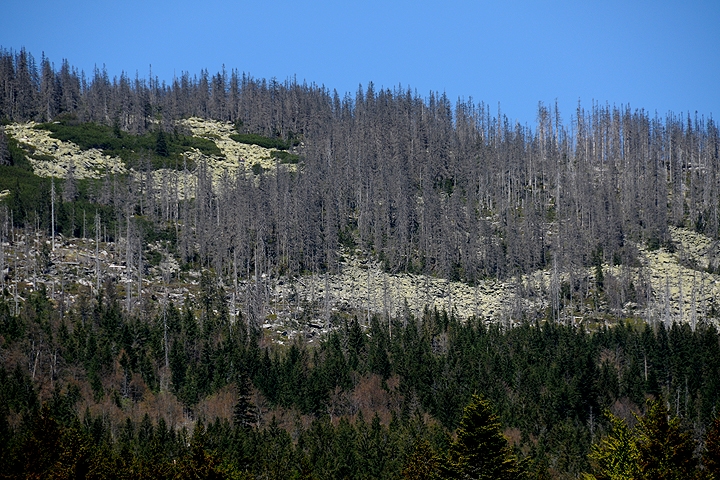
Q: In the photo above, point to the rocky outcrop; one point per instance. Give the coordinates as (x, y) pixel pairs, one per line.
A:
(683, 288)
(239, 157)
(363, 285)
(51, 157)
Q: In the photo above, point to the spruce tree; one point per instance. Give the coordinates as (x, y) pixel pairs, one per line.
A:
(5, 158)
(244, 413)
(480, 450)
(616, 455)
(711, 452)
(665, 448)
(423, 463)
(161, 146)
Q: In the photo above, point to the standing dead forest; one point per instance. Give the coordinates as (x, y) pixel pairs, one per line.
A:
(125, 380)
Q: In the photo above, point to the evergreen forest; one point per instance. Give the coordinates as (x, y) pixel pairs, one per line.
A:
(167, 311)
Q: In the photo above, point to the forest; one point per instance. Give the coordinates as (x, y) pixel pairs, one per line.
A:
(114, 377)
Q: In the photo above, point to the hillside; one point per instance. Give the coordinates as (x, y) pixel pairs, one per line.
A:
(679, 285)
(258, 279)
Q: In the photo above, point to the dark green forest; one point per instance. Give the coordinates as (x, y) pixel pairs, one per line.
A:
(358, 405)
(119, 384)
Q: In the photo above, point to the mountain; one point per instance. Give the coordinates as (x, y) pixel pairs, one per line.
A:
(226, 248)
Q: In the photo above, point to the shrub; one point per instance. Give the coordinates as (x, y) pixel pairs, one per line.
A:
(265, 142)
(285, 157)
(161, 149)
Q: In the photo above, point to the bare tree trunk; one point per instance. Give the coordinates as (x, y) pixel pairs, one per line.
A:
(128, 266)
(52, 211)
(165, 330)
(97, 252)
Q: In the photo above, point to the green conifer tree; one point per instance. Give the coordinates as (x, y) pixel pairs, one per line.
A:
(665, 448)
(244, 413)
(711, 452)
(5, 157)
(423, 463)
(161, 146)
(616, 456)
(480, 450)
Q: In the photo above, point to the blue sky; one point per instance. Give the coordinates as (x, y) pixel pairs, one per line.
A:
(656, 55)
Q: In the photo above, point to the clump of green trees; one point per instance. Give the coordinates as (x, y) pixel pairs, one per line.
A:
(659, 445)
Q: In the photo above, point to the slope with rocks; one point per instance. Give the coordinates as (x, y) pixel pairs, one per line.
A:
(51, 157)
(239, 157)
(306, 305)
(679, 285)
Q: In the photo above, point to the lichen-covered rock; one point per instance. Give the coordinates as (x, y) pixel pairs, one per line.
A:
(683, 291)
(53, 158)
(238, 156)
(364, 285)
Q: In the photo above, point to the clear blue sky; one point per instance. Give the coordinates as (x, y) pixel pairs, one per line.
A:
(657, 55)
